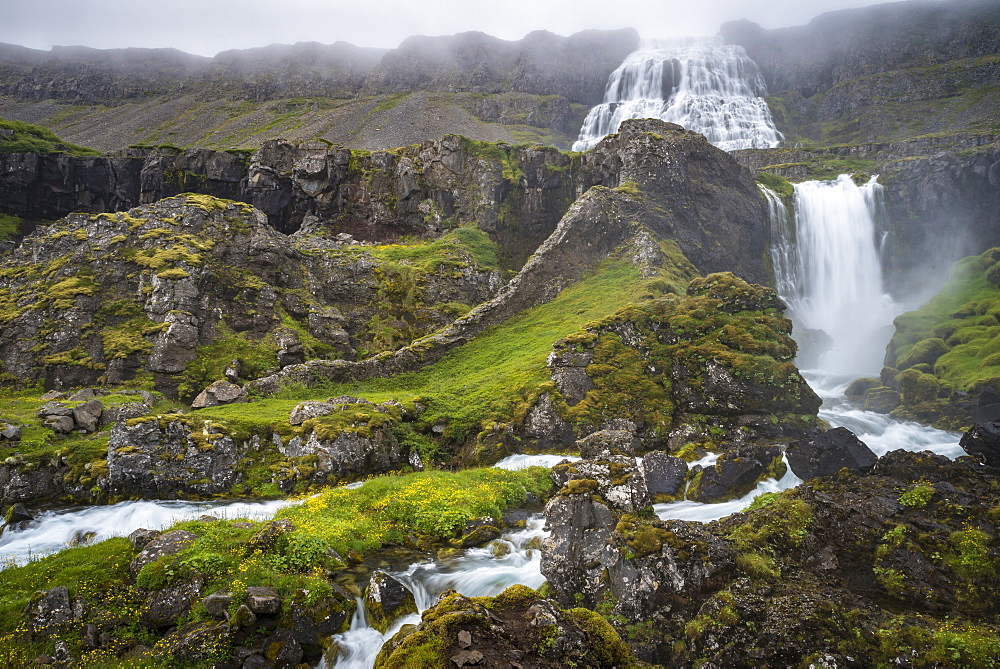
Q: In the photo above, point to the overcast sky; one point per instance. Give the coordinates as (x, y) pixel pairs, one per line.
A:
(208, 26)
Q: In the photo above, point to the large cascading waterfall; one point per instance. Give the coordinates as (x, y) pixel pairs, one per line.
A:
(709, 88)
(828, 270)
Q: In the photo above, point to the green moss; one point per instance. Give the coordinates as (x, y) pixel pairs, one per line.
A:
(28, 138)
(783, 187)
(9, 226)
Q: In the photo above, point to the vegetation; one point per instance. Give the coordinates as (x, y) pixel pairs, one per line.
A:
(20, 137)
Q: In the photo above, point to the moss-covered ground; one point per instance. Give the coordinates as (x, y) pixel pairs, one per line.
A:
(27, 138)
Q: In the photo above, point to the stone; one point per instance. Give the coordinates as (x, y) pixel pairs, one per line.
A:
(59, 424)
(141, 537)
(386, 599)
(267, 535)
(734, 474)
(664, 474)
(49, 612)
(168, 543)
(87, 416)
(90, 637)
(82, 395)
(53, 395)
(303, 411)
(10, 432)
(16, 514)
(263, 600)
(282, 649)
(242, 617)
(219, 393)
(194, 643)
(163, 608)
(233, 370)
(604, 443)
(828, 452)
(882, 399)
(982, 441)
(477, 532)
(54, 409)
(217, 604)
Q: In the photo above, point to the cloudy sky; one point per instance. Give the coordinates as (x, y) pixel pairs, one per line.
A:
(209, 26)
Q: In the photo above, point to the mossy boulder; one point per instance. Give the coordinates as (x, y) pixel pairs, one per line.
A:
(518, 626)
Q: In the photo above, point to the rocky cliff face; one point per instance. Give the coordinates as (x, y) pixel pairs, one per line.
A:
(882, 72)
(537, 88)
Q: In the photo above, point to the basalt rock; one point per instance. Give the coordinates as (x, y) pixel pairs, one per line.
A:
(735, 473)
(828, 452)
(168, 543)
(386, 599)
(49, 612)
(518, 627)
(663, 473)
(220, 392)
(983, 443)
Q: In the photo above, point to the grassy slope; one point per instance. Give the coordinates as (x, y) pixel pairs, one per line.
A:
(18, 137)
(493, 378)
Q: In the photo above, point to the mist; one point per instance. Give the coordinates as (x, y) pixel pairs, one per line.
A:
(206, 28)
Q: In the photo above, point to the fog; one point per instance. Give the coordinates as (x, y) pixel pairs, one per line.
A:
(206, 27)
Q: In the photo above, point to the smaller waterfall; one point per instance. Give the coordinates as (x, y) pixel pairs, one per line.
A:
(712, 89)
(828, 270)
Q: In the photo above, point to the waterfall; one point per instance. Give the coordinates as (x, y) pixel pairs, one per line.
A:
(828, 270)
(712, 89)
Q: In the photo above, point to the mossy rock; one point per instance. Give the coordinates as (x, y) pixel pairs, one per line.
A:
(858, 387)
(882, 400)
(925, 351)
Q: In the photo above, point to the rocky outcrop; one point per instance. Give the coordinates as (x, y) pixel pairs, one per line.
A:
(827, 453)
(386, 599)
(983, 443)
(141, 292)
(518, 627)
(763, 586)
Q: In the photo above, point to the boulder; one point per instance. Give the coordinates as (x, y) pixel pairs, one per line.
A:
(168, 543)
(195, 643)
(477, 532)
(267, 535)
(303, 411)
(386, 599)
(87, 416)
(141, 537)
(218, 393)
(664, 474)
(735, 473)
(283, 650)
(59, 424)
(10, 432)
(263, 600)
(49, 612)
(16, 514)
(605, 443)
(217, 604)
(982, 442)
(163, 608)
(828, 452)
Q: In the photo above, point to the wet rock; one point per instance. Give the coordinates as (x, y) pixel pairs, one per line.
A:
(219, 393)
(141, 537)
(735, 473)
(664, 474)
(982, 442)
(263, 600)
(477, 532)
(828, 452)
(49, 612)
(882, 399)
(386, 600)
(168, 543)
(163, 608)
(17, 513)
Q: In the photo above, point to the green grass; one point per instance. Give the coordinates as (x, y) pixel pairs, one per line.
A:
(9, 226)
(28, 138)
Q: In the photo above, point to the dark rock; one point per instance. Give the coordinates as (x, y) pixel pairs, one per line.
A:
(478, 532)
(267, 535)
(242, 617)
(90, 637)
(605, 443)
(735, 473)
(163, 608)
(195, 643)
(982, 442)
(168, 543)
(283, 650)
(83, 395)
(516, 518)
(386, 599)
(88, 415)
(664, 474)
(988, 408)
(263, 600)
(49, 612)
(141, 537)
(220, 392)
(858, 387)
(217, 604)
(882, 400)
(59, 424)
(17, 513)
(828, 452)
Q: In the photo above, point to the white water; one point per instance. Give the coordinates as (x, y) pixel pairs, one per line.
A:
(52, 531)
(709, 88)
(477, 572)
